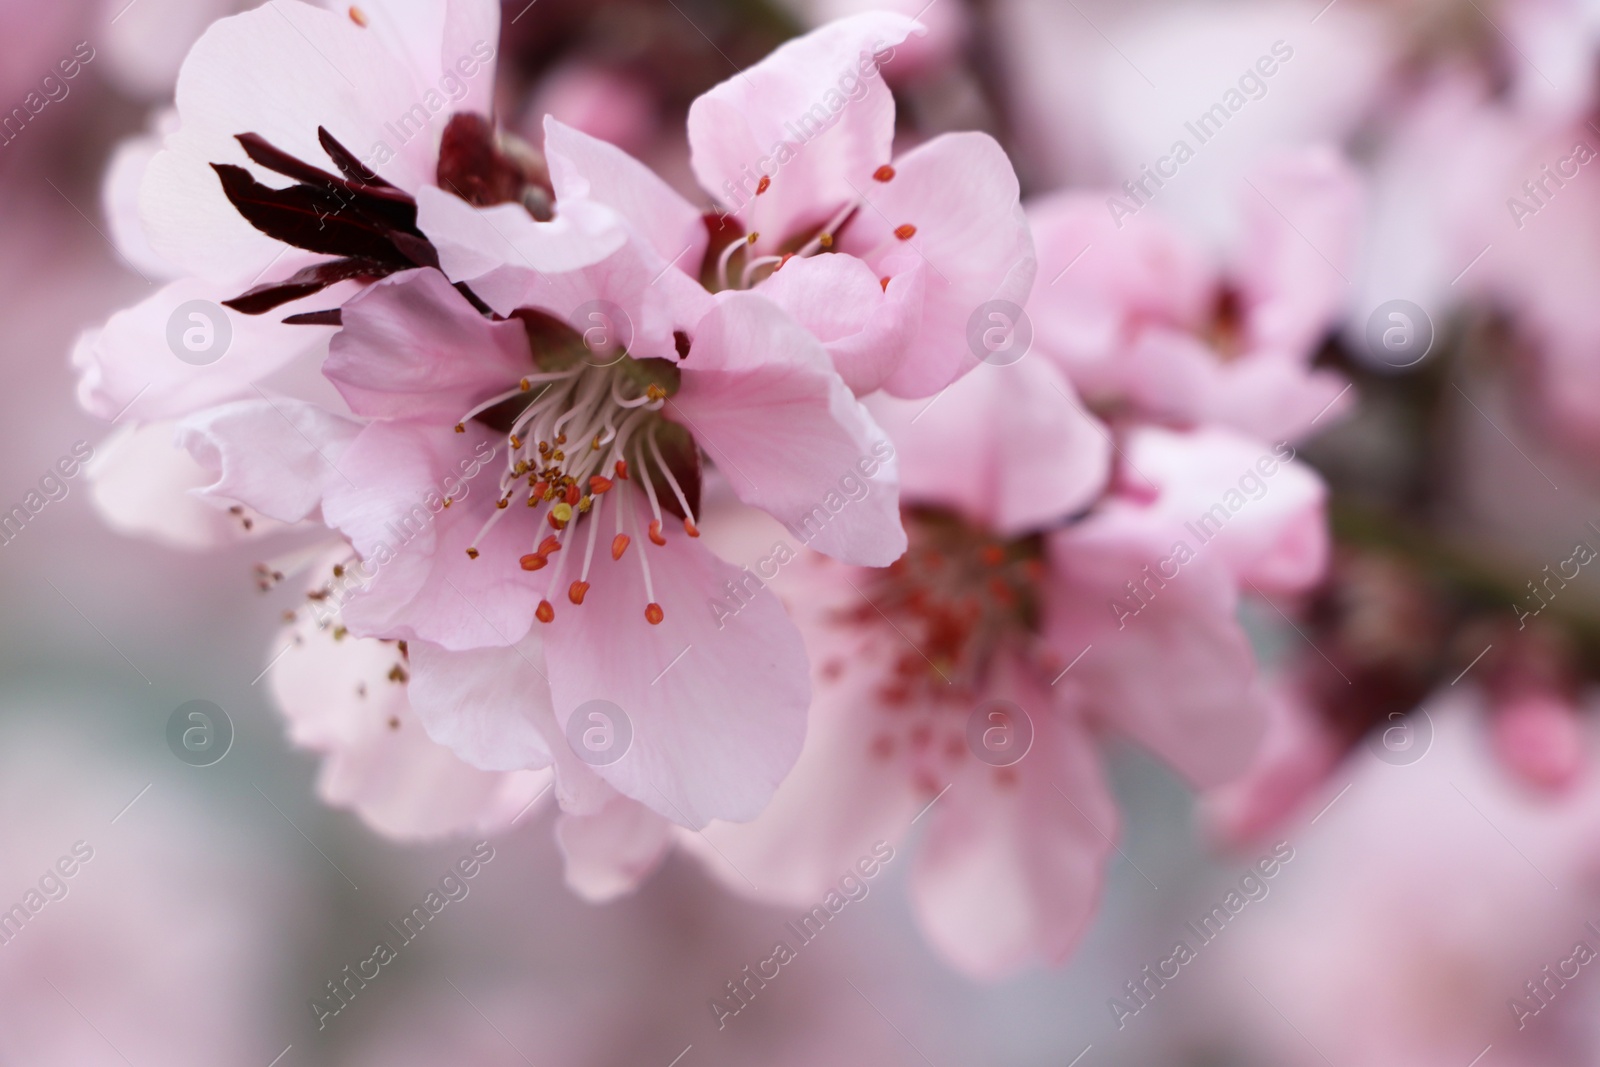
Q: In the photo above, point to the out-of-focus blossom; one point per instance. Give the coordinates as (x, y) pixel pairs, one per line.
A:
(93, 895)
(1435, 902)
(1121, 622)
(1148, 325)
(345, 697)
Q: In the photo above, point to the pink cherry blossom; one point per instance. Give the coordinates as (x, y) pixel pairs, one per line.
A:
(1120, 622)
(585, 446)
(1146, 323)
(1431, 897)
(885, 259)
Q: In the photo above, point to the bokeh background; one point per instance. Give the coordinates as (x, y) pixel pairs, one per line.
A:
(1422, 894)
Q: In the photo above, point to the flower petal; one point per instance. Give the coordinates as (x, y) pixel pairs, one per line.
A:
(814, 116)
(764, 403)
(864, 325)
(610, 852)
(342, 699)
(412, 347)
(279, 457)
(128, 368)
(1012, 873)
(716, 703)
(960, 194)
(1010, 444)
(1172, 668)
(587, 168)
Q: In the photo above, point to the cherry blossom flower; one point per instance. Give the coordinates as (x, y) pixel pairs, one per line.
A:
(1148, 325)
(1421, 919)
(884, 258)
(1123, 621)
(588, 449)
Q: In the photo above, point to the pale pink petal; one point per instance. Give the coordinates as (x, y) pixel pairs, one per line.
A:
(1101, 279)
(142, 484)
(390, 503)
(1299, 249)
(1248, 504)
(1297, 753)
(128, 368)
(564, 267)
(864, 325)
(1172, 668)
(412, 347)
(1011, 872)
(342, 698)
(489, 706)
(610, 852)
(278, 456)
(119, 197)
(281, 71)
(716, 705)
(814, 116)
(1012, 444)
(841, 798)
(586, 168)
(764, 403)
(959, 196)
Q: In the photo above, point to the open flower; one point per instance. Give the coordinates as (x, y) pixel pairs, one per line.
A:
(884, 259)
(1148, 325)
(595, 509)
(969, 682)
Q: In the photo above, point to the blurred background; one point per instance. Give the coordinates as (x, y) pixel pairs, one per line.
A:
(1433, 899)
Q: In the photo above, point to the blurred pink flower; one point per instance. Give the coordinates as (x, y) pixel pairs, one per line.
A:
(160, 889)
(1427, 901)
(1147, 325)
(1105, 624)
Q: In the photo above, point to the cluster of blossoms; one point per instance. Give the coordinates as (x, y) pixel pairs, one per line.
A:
(525, 412)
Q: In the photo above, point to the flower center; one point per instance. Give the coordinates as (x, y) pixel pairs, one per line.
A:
(575, 430)
(739, 260)
(960, 596)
